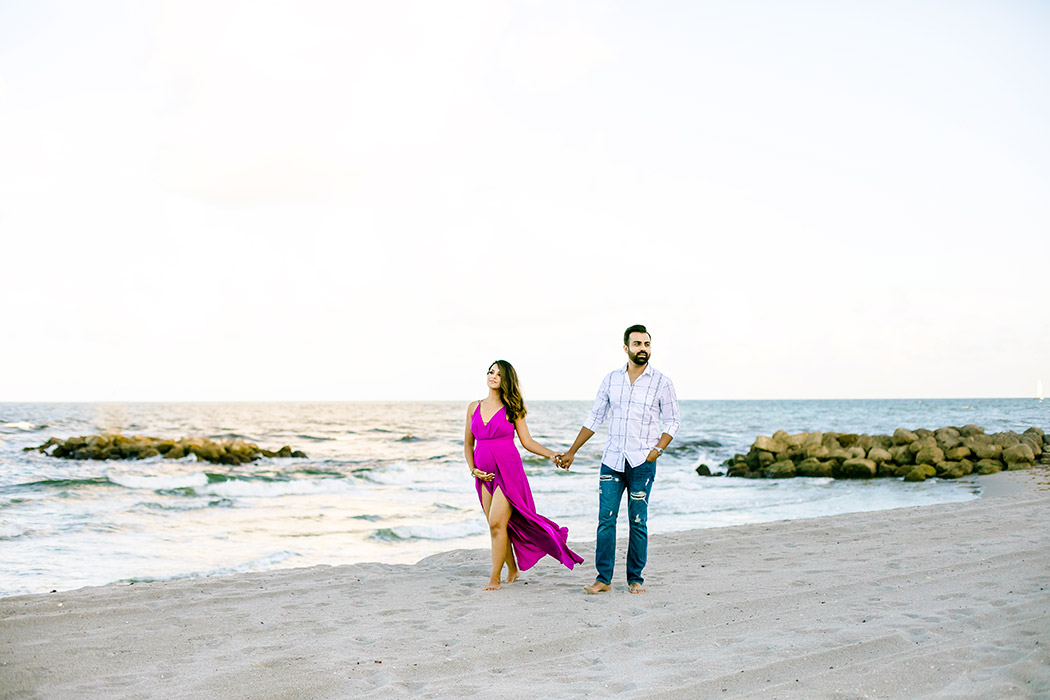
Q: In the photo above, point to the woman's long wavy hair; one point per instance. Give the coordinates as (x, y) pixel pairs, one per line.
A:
(510, 390)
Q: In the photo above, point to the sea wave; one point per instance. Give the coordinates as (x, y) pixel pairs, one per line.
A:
(184, 506)
(265, 563)
(21, 425)
(233, 436)
(64, 483)
(9, 531)
(160, 483)
(440, 531)
(268, 488)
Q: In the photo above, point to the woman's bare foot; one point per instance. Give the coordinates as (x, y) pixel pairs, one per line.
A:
(597, 587)
(512, 576)
(637, 588)
(493, 585)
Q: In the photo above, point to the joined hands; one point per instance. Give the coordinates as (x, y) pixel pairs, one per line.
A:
(561, 460)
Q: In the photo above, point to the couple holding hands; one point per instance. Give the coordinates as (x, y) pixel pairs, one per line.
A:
(635, 398)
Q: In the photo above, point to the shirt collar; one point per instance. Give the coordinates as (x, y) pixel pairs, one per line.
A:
(648, 368)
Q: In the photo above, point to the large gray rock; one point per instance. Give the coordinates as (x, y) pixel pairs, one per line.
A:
(759, 459)
(781, 470)
(813, 467)
(814, 438)
(947, 438)
(857, 452)
(1034, 442)
(838, 455)
(1006, 439)
(919, 472)
(815, 451)
(857, 468)
(929, 455)
(1019, 454)
(989, 451)
(831, 441)
(848, 440)
(887, 469)
(738, 469)
(989, 466)
(768, 444)
(902, 455)
(958, 452)
(878, 455)
(922, 443)
(975, 441)
(954, 470)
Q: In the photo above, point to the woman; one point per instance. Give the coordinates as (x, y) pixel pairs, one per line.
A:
(499, 477)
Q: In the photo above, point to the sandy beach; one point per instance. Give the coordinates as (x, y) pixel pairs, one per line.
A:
(944, 601)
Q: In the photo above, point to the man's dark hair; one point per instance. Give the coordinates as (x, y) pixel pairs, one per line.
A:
(635, 329)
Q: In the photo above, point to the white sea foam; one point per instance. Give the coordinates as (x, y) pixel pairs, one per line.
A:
(9, 531)
(442, 531)
(265, 563)
(159, 483)
(22, 425)
(260, 564)
(242, 488)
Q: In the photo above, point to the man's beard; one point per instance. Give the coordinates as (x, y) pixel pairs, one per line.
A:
(640, 361)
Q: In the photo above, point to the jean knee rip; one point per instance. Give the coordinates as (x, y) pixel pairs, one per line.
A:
(638, 496)
(607, 477)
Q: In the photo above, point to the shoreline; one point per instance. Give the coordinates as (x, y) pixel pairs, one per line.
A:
(853, 605)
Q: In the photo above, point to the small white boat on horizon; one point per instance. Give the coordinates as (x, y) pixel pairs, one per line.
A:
(1039, 390)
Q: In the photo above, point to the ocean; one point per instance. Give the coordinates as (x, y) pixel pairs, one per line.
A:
(387, 482)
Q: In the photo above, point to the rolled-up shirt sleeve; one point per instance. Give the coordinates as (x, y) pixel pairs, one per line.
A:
(669, 415)
(600, 409)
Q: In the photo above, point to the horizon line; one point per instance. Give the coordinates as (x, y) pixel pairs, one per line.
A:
(433, 400)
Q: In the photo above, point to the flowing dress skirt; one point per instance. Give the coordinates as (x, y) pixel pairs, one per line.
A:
(531, 535)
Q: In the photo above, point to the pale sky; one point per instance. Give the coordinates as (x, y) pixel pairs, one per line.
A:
(373, 200)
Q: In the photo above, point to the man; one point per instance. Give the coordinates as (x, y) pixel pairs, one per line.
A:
(635, 398)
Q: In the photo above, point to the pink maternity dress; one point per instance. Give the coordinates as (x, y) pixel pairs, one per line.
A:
(531, 534)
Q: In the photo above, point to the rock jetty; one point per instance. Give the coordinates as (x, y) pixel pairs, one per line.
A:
(142, 447)
(915, 455)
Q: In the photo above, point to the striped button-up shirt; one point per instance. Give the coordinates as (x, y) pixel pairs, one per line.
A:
(635, 413)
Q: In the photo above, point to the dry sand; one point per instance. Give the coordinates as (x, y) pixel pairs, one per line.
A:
(947, 601)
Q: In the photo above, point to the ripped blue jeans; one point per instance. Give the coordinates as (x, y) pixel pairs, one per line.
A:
(638, 482)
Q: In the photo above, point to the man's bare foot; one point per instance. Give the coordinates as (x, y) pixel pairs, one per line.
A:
(512, 576)
(597, 587)
(492, 586)
(637, 588)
